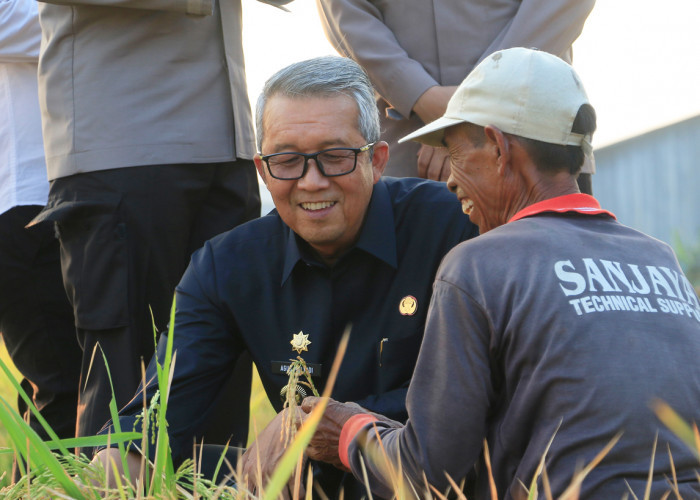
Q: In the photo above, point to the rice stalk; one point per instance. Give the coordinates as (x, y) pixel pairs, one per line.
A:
(288, 461)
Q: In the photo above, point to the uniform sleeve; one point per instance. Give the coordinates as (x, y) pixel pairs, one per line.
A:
(391, 404)
(447, 406)
(20, 33)
(550, 25)
(194, 7)
(205, 348)
(356, 30)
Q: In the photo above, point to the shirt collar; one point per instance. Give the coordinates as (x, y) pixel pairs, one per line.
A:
(377, 236)
(580, 203)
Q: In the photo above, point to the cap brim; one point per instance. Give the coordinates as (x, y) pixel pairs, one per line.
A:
(433, 132)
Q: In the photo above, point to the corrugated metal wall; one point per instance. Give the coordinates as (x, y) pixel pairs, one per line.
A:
(652, 181)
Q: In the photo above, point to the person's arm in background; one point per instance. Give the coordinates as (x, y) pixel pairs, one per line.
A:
(193, 7)
(356, 30)
(549, 25)
(20, 33)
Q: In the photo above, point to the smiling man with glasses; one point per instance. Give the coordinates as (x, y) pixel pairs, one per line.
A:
(343, 247)
(322, 195)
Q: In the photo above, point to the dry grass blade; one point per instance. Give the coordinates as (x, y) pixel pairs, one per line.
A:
(435, 490)
(309, 484)
(457, 489)
(366, 479)
(322, 494)
(631, 490)
(92, 360)
(426, 491)
(650, 477)
(546, 486)
(533, 493)
(576, 482)
(144, 430)
(297, 476)
(414, 491)
(492, 483)
(387, 468)
(674, 484)
(689, 435)
(380, 457)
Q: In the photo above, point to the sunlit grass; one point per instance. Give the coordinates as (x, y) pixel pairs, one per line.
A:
(8, 392)
(49, 470)
(261, 411)
(59, 474)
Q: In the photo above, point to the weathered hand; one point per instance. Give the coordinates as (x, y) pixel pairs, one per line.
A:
(109, 459)
(324, 443)
(433, 163)
(262, 457)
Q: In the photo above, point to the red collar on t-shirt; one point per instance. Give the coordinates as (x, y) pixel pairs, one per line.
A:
(580, 203)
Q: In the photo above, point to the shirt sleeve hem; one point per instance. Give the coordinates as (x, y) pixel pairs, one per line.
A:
(350, 430)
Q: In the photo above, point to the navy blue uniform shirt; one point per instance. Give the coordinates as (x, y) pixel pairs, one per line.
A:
(254, 287)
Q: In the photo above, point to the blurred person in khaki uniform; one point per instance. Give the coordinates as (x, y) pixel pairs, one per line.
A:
(149, 146)
(416, 52)
(36, 320)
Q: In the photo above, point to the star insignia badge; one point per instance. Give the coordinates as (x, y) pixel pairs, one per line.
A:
(300, 342)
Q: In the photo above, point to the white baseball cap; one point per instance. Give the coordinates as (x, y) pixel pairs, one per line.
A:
(524, 92)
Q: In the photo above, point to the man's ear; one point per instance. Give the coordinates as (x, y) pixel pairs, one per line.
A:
(498, 140)
(380, 157)
(260, 165)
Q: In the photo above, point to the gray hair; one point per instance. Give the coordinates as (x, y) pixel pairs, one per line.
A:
(323, 77)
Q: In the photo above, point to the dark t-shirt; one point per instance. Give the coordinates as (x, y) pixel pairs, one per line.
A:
(564, 327)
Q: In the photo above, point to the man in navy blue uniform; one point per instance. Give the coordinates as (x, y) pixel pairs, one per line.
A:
(344, 247)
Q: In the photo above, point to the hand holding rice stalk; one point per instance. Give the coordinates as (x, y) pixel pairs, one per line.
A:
(293, 398)
(279, 449)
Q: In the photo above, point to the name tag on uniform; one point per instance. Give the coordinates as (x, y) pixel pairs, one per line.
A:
(282, 367)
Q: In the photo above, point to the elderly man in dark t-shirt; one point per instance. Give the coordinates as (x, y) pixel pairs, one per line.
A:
(551, 335)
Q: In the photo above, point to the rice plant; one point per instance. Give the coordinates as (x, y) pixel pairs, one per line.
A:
(50, 470)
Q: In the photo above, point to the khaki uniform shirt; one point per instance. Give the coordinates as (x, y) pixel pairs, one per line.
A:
(142, 82)
(408, 46)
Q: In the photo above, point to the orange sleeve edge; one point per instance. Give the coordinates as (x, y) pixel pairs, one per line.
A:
(350, 430)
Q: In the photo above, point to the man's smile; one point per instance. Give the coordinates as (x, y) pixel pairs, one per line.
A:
(467, 205)
(317, 205)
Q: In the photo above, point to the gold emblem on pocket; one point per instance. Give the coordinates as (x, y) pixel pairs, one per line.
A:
(408, 305)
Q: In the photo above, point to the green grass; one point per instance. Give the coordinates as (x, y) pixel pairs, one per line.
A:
(59, 474)
(261, 411)
(56, 473)
(8, 392)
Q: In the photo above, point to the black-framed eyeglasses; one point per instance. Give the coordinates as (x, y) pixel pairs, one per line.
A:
(331, 162)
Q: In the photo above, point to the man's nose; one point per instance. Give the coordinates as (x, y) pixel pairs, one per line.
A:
(313, 179)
